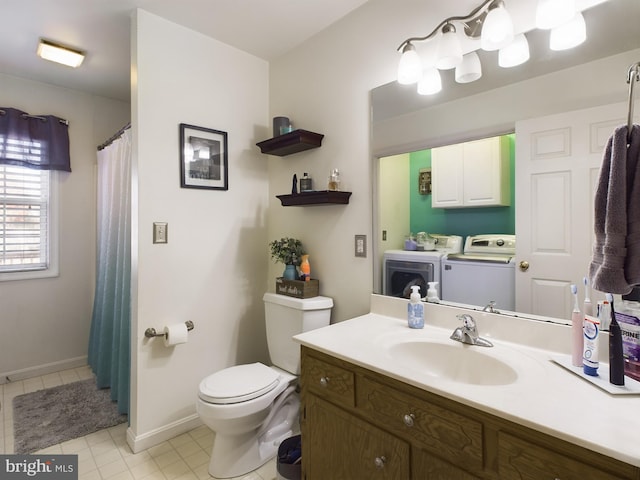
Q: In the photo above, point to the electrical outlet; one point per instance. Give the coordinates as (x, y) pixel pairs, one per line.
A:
(361, 246)
(160, 232)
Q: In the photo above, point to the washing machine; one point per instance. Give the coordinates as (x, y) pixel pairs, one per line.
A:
(403, 268)
(482, 273)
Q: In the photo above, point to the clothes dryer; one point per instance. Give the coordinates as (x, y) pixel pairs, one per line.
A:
(404, 268)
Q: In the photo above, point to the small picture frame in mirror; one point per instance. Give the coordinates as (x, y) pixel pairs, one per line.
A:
(424, 181)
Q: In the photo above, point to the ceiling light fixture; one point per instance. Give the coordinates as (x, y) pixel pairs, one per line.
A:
(58, 53)
(491, 24)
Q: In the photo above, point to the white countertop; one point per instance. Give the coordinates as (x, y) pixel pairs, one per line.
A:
(545, 396)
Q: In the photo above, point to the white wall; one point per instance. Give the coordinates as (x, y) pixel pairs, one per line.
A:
(213, 269)
(324, 85)
(45, 322)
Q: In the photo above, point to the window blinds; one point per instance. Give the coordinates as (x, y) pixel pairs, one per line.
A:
(24, 211)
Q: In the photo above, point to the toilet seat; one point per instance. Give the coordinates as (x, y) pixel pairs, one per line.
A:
(238, 384)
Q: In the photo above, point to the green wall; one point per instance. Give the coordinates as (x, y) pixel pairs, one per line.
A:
(458, 221)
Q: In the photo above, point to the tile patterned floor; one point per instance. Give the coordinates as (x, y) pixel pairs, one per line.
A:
(105, 454)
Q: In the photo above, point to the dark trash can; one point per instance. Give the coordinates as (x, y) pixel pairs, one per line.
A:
(289, 464)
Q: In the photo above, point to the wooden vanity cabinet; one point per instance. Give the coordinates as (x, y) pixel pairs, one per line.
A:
(358, 424)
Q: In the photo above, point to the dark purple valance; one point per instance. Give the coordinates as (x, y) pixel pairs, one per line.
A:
(34, 141)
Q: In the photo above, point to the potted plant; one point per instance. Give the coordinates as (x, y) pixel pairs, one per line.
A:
(288, 251)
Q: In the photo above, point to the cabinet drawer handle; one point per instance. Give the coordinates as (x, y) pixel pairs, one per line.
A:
(380, 461)
(409, 419)
(324, 381)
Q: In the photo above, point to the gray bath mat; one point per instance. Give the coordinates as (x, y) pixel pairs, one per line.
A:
(54, 415)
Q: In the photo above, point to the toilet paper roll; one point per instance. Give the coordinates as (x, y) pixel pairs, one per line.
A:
(175, 334)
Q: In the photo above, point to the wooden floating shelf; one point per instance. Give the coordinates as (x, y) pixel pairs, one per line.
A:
(320, 197)
(292, 142)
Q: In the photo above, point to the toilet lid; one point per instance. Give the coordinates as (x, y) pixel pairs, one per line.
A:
(238, 384)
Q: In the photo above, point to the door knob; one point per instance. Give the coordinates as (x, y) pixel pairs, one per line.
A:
(524, 266)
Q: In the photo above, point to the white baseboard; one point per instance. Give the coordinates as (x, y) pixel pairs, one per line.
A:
(143, 441)
(38, 370)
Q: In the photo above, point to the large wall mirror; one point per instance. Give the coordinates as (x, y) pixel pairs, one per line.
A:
(557, 111)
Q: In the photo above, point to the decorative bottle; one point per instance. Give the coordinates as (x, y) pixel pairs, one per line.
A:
(334, 180)
(305, 268)
(306, 184)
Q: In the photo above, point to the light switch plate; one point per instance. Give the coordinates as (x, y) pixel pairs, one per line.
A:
(160, 232)
(361, 246)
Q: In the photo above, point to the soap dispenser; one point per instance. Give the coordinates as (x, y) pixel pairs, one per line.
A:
(415, 309)
(432, 293)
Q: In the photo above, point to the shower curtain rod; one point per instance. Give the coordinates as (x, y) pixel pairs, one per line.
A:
(116, 136)
(633, 76)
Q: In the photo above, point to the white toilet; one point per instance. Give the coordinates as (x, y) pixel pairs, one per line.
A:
(253, 407)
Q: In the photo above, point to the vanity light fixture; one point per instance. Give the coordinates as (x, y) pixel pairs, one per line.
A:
(58, 53)
(551, 13)
(431, 82)
(497, 29)
(449, 49)
(491, 24)
(470, 69)
(569, 34)
(514, 54)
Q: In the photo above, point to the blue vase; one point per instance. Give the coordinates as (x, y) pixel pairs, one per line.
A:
(290, 273)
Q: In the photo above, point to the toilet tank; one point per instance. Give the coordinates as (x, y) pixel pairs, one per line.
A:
(288, 316)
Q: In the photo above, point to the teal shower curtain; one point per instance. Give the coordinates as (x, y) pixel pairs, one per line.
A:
(109, 339)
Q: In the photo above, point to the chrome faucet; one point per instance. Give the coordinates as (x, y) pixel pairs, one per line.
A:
(468, 333)
(491, 307)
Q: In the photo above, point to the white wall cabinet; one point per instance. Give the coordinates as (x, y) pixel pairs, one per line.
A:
(471, 174)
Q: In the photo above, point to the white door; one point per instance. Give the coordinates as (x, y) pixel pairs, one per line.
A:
(557, 166)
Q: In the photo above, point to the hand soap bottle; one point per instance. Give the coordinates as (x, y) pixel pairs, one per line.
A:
(432, 293)
(415, 309)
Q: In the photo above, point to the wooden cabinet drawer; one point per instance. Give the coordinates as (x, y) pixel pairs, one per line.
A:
(329, 381)
(446, 433)
(429, 467)
(337, 445)
(523, 460)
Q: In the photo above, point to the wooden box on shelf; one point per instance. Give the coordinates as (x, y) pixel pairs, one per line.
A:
(297, 288)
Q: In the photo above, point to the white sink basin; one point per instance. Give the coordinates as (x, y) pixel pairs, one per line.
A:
(454, 361)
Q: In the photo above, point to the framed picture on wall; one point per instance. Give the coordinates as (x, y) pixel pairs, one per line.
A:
(203, 158)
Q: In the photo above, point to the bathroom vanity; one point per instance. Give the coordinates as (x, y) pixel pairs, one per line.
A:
(375, 405)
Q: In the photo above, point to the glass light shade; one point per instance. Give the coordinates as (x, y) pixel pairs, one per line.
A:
(430, 83)
(568, 35)
(516, 53)
(497, 29)
(449, 50)
(551, 13)
(59, 54)
(410, 66)
(470, 69)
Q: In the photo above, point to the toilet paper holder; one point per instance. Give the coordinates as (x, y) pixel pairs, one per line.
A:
(151, 332)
